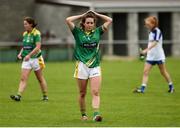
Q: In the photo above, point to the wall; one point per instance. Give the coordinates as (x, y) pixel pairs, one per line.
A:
(52, 18)
(12, 13)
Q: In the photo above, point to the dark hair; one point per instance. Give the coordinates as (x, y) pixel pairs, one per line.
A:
(30, 21)
(88, 15)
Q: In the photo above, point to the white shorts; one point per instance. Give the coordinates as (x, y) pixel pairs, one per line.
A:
(34, 63)
(84, 72)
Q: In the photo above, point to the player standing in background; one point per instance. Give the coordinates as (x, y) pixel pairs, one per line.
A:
(86, 53)
(155, 54)
(32, 58)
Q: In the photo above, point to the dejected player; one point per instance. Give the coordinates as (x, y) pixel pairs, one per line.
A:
(86, 52)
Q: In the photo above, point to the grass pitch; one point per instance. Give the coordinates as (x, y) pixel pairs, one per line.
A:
(119, 106)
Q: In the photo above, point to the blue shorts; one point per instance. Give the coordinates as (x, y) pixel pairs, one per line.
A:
(154, 62)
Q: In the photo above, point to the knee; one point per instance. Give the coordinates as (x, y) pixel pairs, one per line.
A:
(162, 72)
(165, 73)
(40, 81)
(95, 93)
(82, 94)
(146, 72)
(23, 78)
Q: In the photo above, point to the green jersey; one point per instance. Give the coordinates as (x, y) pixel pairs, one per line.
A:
(87, 46)
(29, 42)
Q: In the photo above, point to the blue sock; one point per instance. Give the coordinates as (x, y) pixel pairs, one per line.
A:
(143, 88)
(171, 86)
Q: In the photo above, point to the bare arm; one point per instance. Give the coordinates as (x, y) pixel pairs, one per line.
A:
(70, 20)
(152, 44)
(107, 20)
(34, 51)
(19, 55)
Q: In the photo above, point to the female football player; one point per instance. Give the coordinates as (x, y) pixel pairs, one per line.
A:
(155, 54)
(32, 59)
(86, 52)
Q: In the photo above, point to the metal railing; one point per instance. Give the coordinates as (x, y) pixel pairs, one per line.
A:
(57, 50)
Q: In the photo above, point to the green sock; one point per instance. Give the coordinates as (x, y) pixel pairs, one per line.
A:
(44, 93)
(19, 94)
(96, 113)
(83, 112)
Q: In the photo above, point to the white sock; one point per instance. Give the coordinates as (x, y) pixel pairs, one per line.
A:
(170, 83)
(143, 85)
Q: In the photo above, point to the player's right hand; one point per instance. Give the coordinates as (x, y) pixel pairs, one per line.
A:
(19, 56)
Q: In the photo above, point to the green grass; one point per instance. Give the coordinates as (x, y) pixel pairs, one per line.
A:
(119, 106)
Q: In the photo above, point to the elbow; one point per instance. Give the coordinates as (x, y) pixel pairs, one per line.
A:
(110, 20)
(68, 20)
(38, 47)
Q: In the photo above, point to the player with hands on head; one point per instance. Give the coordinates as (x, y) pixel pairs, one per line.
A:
(86, 53)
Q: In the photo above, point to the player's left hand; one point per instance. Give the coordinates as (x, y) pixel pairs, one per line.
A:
(143, 51)
(26, 58)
